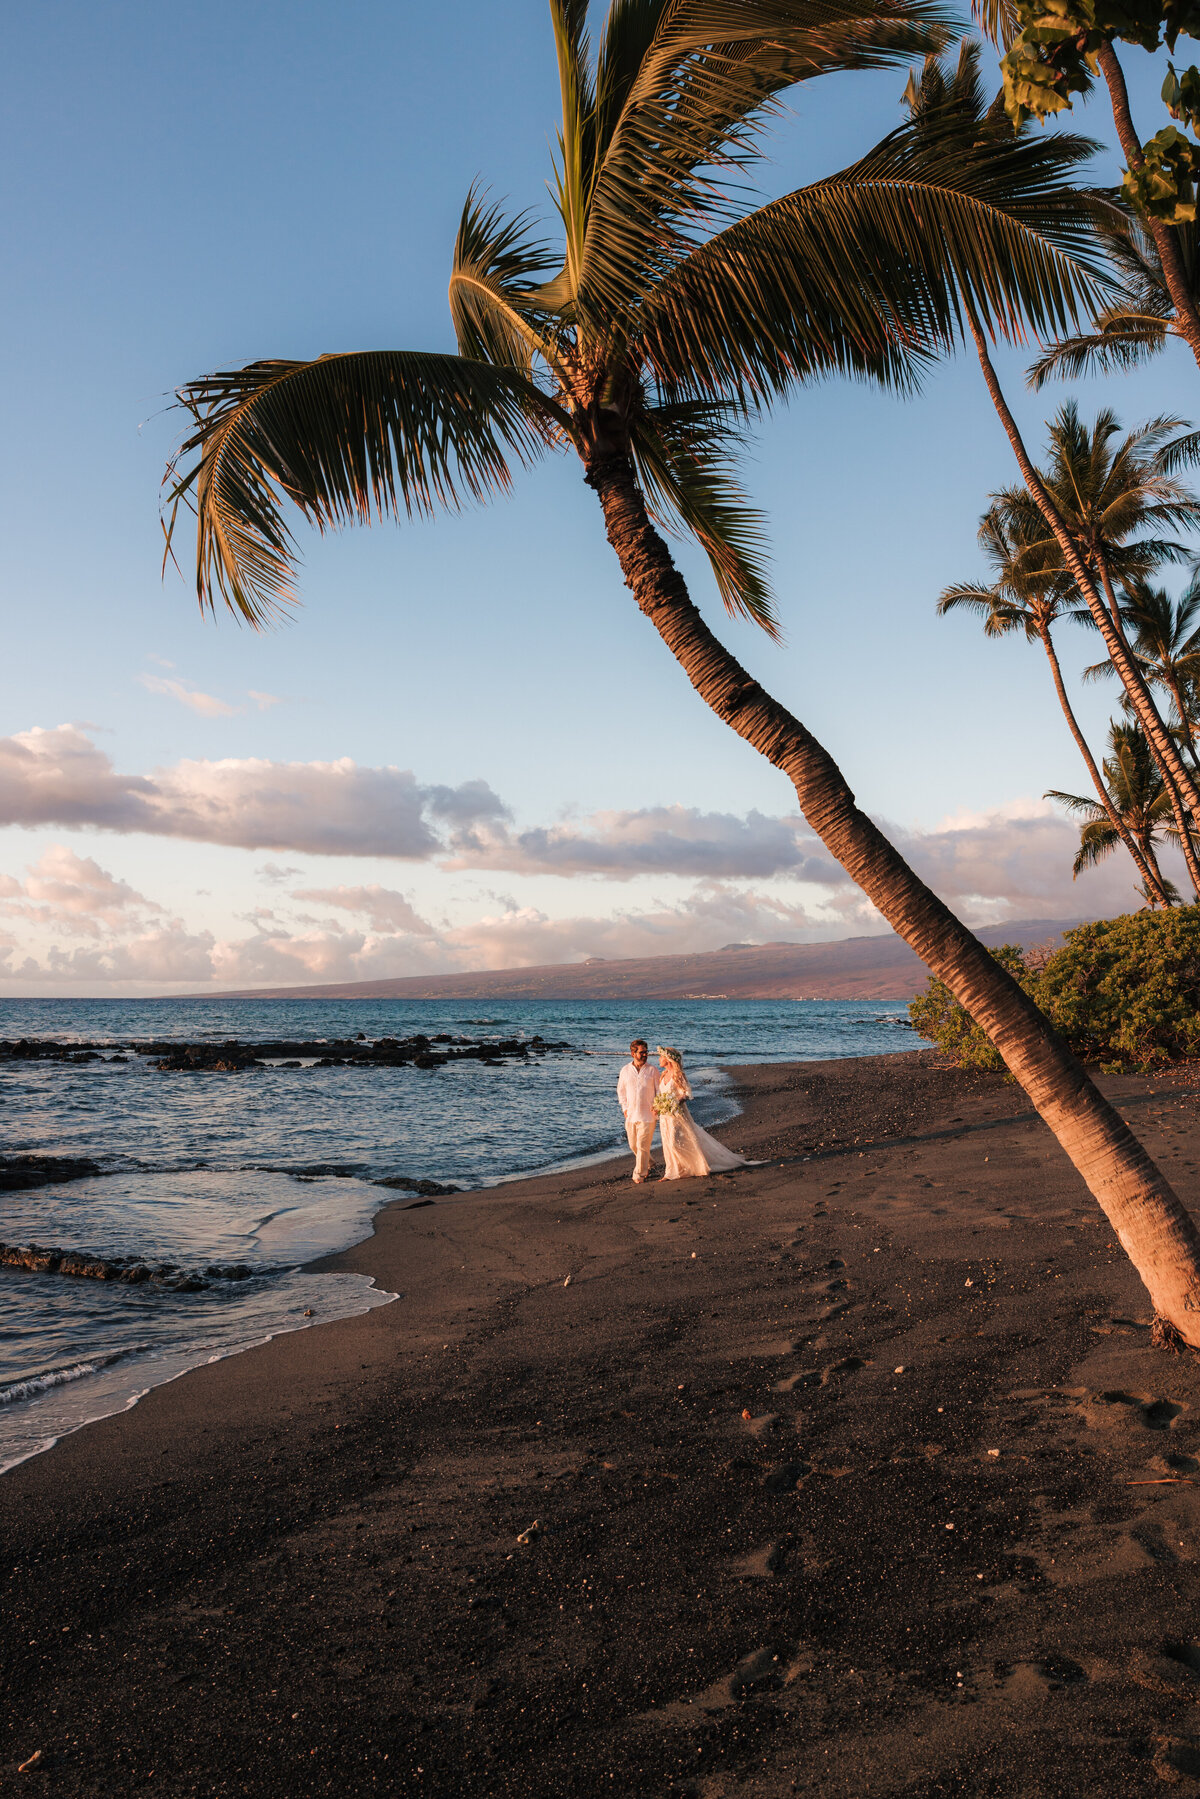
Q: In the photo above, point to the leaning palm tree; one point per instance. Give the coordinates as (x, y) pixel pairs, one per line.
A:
(1137, 794)
(670, 310)
(1030, 597)
(1137, 320)
(1164, 635)
(1108, 490)
(978, 127)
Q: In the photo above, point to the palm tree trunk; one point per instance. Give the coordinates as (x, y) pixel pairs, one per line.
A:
(1140, 697)
(1187, 316)
(1178, 806)
(1156, 1232)
(1151, 878)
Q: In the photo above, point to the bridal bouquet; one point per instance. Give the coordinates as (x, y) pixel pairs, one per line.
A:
(666, 1104)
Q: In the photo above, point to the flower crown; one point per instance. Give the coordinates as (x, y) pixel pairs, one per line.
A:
(673, 1055)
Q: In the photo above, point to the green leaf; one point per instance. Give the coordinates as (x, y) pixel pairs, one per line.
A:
(348, 439)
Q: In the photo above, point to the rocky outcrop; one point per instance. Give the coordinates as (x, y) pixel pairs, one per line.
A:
(131, 1270)
(19, 1173)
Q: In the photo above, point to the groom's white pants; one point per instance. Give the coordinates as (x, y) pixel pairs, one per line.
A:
(640, 1137)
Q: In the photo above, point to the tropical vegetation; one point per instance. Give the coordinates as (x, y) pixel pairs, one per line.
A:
(1124, 992)
(668, 312)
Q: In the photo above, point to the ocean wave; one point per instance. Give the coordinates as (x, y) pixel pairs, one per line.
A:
(36, 1384)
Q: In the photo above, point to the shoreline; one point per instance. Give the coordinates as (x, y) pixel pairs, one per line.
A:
(299, 1571)
(122, 1400)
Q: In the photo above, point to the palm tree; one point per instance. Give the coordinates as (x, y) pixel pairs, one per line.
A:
(1028, 596)
(1165, 637)
(1101, 489)
(670, 311)
(1137, 794)
(1138, 320)
(1044, 68)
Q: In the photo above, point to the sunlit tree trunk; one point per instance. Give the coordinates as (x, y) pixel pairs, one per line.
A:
(1156, 1232)
(1145, 862)
(1187, 316)
(1181, 784)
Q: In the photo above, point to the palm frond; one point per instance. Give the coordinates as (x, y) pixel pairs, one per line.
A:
(682, 454)
(348, 439)
(997, 19)
(496, 265)
(870, 271)
(1119, 343)
(683, 90)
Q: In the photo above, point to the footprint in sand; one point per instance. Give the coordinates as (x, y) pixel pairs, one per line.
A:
(1141, 1408)
(848, 1365)
(793, 1383)
(787, 1477)
(1037, 1679)
(762, 1564)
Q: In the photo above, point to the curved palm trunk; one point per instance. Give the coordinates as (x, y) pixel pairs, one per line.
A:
(1187, 316)
(1156, 1232)
(1140, 698)
(1146, 864)
(1178, 805)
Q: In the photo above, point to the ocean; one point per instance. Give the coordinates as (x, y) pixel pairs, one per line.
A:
(271, 1168)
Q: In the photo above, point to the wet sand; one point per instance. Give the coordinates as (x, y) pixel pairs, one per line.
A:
(721, 1513)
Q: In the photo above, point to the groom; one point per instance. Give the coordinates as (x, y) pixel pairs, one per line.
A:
(637, 1084)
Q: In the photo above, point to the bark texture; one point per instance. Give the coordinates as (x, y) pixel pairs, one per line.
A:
(1143, 858)
(1156, 1232)
(1187, 315)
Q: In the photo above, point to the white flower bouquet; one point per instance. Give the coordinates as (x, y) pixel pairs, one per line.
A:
(666, 1104)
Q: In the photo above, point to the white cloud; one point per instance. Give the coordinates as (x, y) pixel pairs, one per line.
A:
(678, 840)
(206, 704)
(73, 894)
(386, 911)
(59, 777)
(264, 701)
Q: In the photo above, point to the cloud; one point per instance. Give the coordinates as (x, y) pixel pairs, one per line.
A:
(679, 840)
(59, 777)
(264, 701)
(71, 893)
(386, 911)
(206, 704)
(274, 874)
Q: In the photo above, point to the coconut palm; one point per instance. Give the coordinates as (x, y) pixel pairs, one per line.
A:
(1137, 794)
(1029, 597)
(979, 127)
(1164, 635)
(1138, 320)
(669, 311)
(1107, 490)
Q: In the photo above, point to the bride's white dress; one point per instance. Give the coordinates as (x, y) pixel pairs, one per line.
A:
(688, 1150)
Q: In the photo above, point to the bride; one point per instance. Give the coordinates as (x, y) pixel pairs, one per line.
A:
(687, 1150)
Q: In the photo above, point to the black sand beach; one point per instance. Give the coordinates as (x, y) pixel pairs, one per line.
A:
(721, 1513)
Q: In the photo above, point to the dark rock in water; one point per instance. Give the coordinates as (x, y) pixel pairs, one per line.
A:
(430, 1061)
(18, 1173)
(229, 1271)
(406, 1184)
(129, 1269)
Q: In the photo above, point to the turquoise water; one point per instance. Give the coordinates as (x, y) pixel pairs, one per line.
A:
(274, 1167)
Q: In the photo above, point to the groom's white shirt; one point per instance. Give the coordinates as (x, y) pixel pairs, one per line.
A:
(636, 1088)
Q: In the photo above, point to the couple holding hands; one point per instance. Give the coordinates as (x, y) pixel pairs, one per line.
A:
(651, 1096)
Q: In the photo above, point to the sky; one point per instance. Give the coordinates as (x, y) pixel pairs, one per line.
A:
(466, 748)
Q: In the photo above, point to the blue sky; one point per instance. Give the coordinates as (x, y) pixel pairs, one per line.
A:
(190, 189)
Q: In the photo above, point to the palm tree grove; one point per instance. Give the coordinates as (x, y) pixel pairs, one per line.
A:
(647, 335)
(600, 1081)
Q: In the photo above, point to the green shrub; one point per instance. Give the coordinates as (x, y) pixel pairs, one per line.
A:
(1125, 991)
(1128, 988)
(936, 1014)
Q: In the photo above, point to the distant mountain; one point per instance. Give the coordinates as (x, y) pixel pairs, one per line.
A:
(852, 968)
